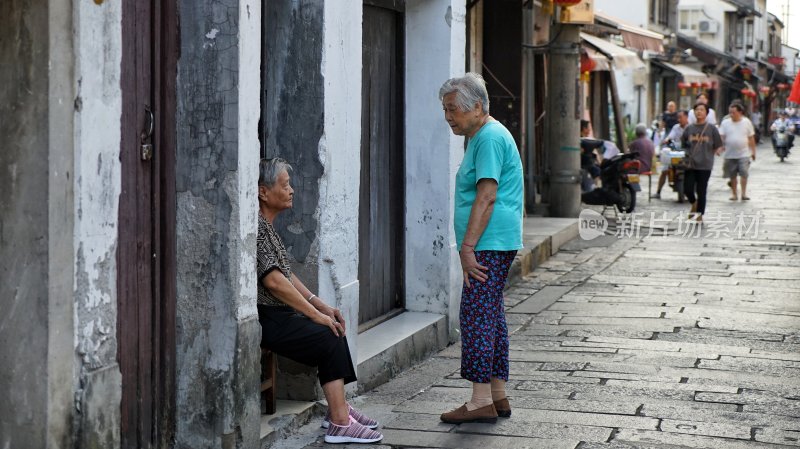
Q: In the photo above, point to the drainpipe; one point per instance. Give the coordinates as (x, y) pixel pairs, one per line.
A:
(529, 108)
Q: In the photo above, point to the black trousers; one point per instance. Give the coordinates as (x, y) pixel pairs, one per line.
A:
(296, 337)
(696, 181)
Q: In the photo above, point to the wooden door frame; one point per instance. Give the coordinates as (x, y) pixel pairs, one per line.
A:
(163, 42)
(397, 7)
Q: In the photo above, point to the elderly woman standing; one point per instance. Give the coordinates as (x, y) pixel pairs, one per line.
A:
(488, 229)
(297, 324)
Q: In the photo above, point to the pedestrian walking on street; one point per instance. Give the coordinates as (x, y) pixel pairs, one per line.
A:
(738, 136)
(670, 116)
(700, 141)
(711, 117)
(488, 229)
(297, 324)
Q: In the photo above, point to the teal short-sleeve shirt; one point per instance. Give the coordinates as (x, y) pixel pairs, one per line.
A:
(491, 153)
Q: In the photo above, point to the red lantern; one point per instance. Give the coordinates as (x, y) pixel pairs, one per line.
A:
(587, 63)
(705, 85)
(566, 3)
(682, 85)
(782, 86)
(695, 84)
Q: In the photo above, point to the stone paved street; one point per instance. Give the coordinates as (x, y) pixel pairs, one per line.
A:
(647, 342)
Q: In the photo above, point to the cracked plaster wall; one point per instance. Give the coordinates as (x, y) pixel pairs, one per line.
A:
(435, 43)
(293, 124)
(217, 163)
(293, 117)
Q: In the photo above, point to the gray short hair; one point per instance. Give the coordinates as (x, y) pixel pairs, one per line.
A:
(641, 130)
(469, 89)
(270, 169)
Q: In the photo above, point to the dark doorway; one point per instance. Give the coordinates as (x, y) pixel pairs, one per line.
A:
(382, 205)
(502, 62)
(146, 255)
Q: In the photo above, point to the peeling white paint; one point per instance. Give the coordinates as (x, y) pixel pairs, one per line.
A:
(339, 147)
(434, 53)
(249, 112)
(97, 187)
(212, 34)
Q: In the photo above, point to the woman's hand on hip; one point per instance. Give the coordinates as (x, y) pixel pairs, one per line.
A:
(471, 267)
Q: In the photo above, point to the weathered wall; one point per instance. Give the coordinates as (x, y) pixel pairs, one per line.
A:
(292, 121)
(217, 153)
(97, 178)
(23, 222)
(293, 116)
(435, 51)
(339, 148)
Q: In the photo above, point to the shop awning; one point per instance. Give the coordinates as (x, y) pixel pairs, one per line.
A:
(623, 59)
(601, 63)
(689, 74)
(704, 52)
(634, 37)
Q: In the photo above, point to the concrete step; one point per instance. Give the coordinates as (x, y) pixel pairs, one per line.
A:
(288, 417)
(398, 344)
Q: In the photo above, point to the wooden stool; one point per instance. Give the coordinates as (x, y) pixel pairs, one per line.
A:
(268, 367)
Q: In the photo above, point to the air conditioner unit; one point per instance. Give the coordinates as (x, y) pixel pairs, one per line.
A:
(708, 26)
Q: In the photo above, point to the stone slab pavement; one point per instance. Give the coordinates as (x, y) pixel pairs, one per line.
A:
(690, 339)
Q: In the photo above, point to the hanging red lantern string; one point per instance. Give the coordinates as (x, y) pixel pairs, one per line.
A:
(566, 3)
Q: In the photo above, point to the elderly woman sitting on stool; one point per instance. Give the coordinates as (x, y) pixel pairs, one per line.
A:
(296, 323)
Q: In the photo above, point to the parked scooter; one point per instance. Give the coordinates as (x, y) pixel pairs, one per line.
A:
(620, 182)
(672, 160)
(590, 168)
(780, 143)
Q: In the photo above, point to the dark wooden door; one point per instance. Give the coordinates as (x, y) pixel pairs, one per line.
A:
(382, 207)
(145, 254)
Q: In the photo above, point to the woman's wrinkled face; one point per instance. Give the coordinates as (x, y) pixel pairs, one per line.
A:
(280, 195)
(461, 123)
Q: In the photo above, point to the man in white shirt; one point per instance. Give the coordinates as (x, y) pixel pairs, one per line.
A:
(674, 136)
(738, 136)
(711, 118)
